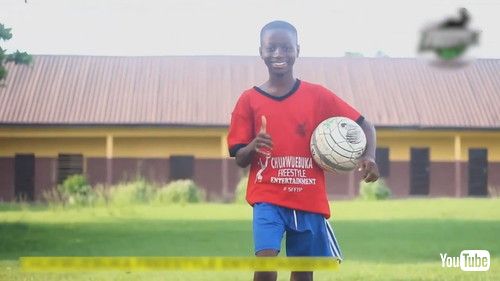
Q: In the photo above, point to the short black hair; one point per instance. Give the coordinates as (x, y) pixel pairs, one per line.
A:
(279, 24)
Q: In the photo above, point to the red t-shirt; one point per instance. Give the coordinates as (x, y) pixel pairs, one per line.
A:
(289, 177)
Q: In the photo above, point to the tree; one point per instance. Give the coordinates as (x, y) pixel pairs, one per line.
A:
(353, 55)
(17, 57)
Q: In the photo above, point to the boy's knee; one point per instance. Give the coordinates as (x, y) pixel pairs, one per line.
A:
(266, 275)
(267, 253)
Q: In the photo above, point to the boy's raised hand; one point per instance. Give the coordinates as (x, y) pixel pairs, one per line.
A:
(263, 144)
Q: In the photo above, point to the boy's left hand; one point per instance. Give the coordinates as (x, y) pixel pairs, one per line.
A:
(369, 169)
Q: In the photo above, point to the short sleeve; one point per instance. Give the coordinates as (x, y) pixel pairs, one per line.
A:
(241, 130)
(335, 106)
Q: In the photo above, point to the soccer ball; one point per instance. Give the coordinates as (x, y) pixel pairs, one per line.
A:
(337, 144)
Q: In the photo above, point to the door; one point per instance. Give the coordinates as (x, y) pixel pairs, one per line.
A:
(382, 159)
(478, 172)
(419, 171)
(24, 178)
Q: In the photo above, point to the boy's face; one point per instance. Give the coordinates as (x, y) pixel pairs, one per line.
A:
(279, 49)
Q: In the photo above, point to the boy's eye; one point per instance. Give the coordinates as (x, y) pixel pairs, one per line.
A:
(284, 49)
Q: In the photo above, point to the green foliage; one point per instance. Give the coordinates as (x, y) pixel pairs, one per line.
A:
(53, 197)
(241, 190)
(17, 57)
(374, 190)
(75, 190)
(353, 54)
(101, 195)
(180, 191)
(136, 192)
(3, 72)
(5, 33)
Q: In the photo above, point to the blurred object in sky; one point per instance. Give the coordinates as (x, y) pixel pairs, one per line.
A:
(449, 39)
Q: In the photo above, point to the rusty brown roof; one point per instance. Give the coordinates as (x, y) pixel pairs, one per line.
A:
(201, 91)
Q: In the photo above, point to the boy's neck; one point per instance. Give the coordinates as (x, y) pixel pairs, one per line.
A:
(280, 81)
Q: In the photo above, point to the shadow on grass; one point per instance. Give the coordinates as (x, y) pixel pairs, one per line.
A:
(397, 241)
(32, 207)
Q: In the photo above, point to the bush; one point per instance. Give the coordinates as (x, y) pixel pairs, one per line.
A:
(241, 190)
(135, 192)
(53, 197)
(75, 190)
(101, 195)
(374, 190)
(180, 191)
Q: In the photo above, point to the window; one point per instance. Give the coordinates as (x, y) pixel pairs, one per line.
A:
(67, 165)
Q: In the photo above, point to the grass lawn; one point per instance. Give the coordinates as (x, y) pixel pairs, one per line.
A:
(391, 240)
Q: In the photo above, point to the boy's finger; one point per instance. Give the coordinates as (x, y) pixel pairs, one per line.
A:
(263, 124)
(266, 138)
(268, 144)
(365, 175)
(361, 166)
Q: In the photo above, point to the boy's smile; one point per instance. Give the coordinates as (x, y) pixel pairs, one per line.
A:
(279, 50)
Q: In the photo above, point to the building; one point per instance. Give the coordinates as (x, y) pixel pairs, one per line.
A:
(114, 118)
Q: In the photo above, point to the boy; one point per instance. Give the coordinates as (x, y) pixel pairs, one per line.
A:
(271, 127)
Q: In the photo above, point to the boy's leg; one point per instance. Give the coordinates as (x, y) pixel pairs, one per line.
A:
(301, 276)
(268, 229)
(266, 275)
(310, 235)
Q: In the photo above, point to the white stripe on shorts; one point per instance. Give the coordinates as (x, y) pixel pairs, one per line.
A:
(333, 240)
(330, 240)
(295, 217)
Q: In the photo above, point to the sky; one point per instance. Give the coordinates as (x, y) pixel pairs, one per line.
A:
(327, 28)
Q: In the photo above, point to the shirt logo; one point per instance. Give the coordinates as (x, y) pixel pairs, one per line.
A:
(263, 166)
(301, 129)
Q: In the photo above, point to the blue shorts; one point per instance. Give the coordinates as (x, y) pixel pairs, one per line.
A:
(307, 234)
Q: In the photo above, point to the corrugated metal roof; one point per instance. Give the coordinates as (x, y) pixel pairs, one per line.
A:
(86, 90)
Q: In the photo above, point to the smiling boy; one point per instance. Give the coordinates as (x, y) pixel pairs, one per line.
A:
(271, 126)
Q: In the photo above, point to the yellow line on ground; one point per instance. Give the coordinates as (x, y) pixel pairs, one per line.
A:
(177, 263)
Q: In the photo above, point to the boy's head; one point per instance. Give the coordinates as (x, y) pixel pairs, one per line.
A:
(278, 24)
(279, 46)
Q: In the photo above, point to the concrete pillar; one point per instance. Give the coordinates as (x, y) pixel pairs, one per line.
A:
(458, 166)
(109, 159)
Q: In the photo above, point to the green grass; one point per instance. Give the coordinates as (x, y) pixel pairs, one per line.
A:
(385, 240)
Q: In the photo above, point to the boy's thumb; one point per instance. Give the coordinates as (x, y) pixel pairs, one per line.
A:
(263, 124)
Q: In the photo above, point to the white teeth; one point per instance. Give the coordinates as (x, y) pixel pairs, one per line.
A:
(279, 64)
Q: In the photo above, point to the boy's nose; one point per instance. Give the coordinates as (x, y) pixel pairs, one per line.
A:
(278, 52)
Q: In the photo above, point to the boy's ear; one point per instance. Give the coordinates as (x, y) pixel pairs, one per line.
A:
(298, 50)
(260, 51)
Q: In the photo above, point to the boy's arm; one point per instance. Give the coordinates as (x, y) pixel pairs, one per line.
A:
(367, 162)
(244, 155)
